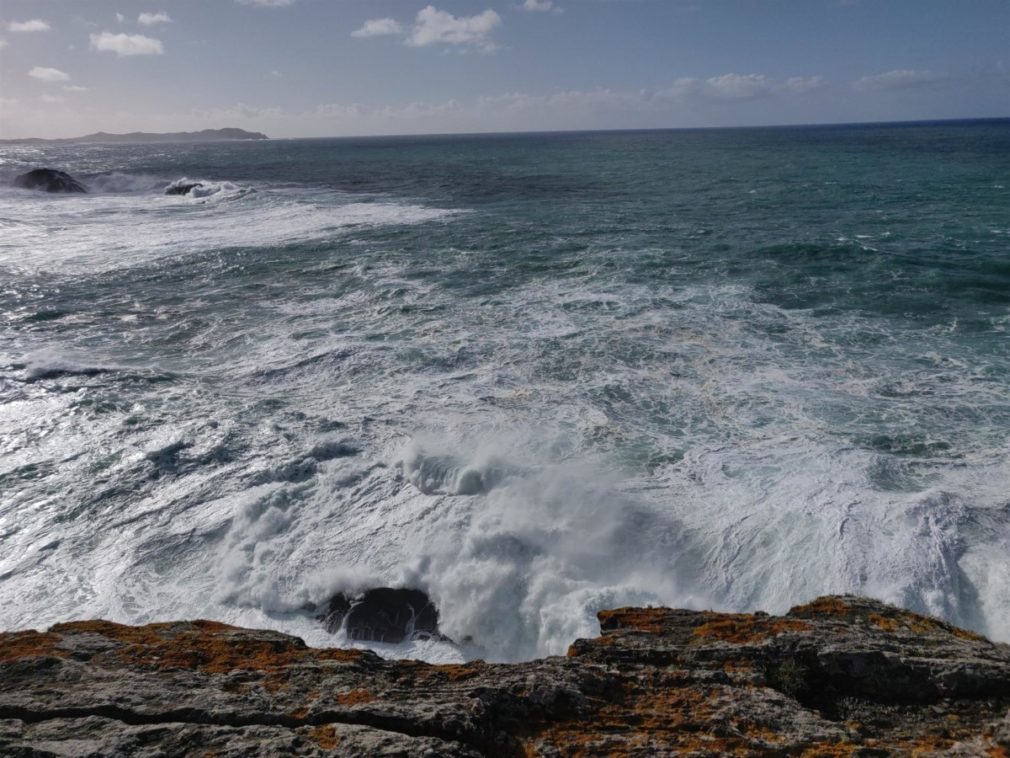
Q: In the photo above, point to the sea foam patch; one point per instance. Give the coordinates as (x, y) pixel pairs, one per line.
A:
(122, 227)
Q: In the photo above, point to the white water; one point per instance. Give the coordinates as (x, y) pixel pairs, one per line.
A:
(485, 453)
(130, 221)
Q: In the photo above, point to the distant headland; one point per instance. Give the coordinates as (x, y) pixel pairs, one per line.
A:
(135, 138)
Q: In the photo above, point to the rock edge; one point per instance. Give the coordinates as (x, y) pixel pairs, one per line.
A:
(839, 676)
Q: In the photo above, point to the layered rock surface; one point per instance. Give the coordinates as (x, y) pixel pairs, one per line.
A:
(839, 676)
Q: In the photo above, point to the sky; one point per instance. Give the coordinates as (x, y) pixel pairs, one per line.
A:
(314, 68)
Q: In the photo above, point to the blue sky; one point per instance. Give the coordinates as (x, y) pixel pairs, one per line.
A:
(296, 68)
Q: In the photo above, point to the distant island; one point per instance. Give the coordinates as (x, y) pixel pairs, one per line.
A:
(206, 135)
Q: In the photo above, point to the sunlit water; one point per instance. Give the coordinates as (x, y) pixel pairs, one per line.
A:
(535, 376)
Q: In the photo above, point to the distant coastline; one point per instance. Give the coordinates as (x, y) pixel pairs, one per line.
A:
(143, 138)
(231, 134)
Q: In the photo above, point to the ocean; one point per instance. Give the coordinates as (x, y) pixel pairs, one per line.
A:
(533, 375)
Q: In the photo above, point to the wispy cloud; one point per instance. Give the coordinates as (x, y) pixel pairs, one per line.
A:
(379, 27)
(541, 6)
(35, 25)
(75, 88)
(3, 44)
(435, 27)
(44, 74)
(897, 79)
(150, 19)
(120, 17)
(803, 84)
(569, 107)
(738, 86)
(237, 112)
(53, 98)
(126, 44)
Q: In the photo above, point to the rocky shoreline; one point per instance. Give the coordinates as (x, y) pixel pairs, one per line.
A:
(839, 676)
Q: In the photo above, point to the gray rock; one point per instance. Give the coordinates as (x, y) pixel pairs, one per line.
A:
(841, 675)
(382, 614)
(49, 180)
(182, 188)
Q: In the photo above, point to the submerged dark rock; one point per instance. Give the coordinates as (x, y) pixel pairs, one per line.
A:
(49, 180)
(182, 188)
(839, 676)
(382, 615)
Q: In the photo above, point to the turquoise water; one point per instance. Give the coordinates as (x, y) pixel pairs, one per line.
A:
(534, 375)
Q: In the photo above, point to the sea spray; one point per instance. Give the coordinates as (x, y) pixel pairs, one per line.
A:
(532, 379)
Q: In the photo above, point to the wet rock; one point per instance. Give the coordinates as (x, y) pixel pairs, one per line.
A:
(383, 615)
(49, 180)
(182, 188)
(839, 676)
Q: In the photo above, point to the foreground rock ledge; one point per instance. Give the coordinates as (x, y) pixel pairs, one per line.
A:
(839, 676)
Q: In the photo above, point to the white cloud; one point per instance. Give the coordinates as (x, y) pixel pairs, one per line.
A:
(543, 6)
(120, 17)
(566, 109)
(150, 19)
(684, 102)
(378, 27)
(3, 44)
(52, 98)
(75, 88)
(49, 74)
(897, 79)
(266, 3)
(126, 44)
(435, 27)
(35, 25)
(236, 113)
(803, 84)
(738, 86)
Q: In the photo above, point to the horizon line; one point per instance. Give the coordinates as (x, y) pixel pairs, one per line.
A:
(616, 130)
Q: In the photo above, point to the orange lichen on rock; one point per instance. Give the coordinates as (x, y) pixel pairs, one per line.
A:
(889, 619)
(325, 736)
(455, 672)
(635, 718)
(310, 698)
(887, 623)
(355, 697)
(831, 605)
(739, 667)
(16, 646)
(206, 646)
(925, 624)
(841, 676)
(743, 629)
(917, 624)
(834, 750)
(113, 630)
(650, 620)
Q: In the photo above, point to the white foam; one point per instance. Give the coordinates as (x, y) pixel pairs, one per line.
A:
(54, 361)
(577, 443)
(116, 182)
(106, 231)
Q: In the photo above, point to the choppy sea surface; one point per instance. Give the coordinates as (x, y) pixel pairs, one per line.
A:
(532, 375)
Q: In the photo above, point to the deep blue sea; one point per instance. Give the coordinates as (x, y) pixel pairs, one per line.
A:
(532, 375)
